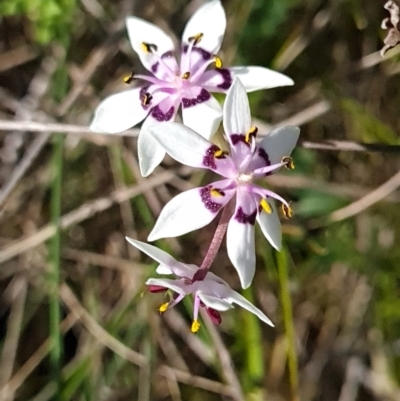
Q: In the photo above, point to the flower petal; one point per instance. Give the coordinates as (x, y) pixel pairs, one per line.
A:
(182, 214)
(237, 117)
(203, 117)
(150, 152)
(216, 80)
(210, 20)
(118, 112)
(174, 285)
(167, 263)
(271, 226)
(141, 31)
(280, 142)
(240, 237)
(181, 143)
(214, 302)
(234, 297)
(256, 78)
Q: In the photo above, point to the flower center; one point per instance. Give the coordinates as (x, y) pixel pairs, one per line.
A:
(245, 178)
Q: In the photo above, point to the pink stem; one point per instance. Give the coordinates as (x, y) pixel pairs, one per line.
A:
(218, 237)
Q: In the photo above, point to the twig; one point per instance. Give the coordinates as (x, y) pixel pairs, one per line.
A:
(30, 155)
(228, 369)
(315, 111)
(80, 214)
(365, 202)
(97, 331)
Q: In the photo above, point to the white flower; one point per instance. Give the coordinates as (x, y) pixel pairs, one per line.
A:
(172, 83)
(207, 289)
(244, 162)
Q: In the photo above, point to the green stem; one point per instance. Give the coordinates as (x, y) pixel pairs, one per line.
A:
(288, 322)
(55, 313)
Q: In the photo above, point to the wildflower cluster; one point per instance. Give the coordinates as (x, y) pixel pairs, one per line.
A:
(241, 160)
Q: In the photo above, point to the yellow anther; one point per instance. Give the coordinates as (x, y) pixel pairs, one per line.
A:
(252, 132)
(129, 78)
(148, 47)
(163, 307)
(218, 61)
(218, 153)
(287, 211)
(266, 206)
(195, 326)
(186, 75)
(216, 193)
(196, 38)
(146, 99)
(289, 162)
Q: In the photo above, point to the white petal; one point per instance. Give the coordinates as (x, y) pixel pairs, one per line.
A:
(173, 285)
(168, 264)
(181, 143)
(210, 20)
(204, 118)
(155, 253)
(271, 226)
(214, 302)
(150, 152)
(237, 117)
(118, 112)
(241, 250)
(280, 142)
(238, 299)
(139, 32)
(184, 213)
(162, 269)
(256, 78)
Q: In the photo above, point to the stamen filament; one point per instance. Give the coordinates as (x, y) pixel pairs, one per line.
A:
(200, 71)
(268, 169)
(267, 193)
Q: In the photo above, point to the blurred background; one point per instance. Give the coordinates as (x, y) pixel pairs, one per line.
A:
(76, 322)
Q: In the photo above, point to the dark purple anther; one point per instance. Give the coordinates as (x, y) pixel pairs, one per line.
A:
(214, 315)
(156, 288)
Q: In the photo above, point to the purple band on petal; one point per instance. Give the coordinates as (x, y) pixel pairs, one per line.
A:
(159, 115)
(227, 78)
(236, 138)
(204, 53)
(244, 218)
(206, 198)
(202, 97)
(168, 54)
(200, 275)
(209, 158)
(154, 67)
(264, 155)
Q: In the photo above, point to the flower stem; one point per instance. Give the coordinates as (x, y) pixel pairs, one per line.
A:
(218, 237)
(288, 322)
